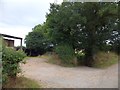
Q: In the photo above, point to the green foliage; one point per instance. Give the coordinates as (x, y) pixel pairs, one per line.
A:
(85, 26)
(10, 62)
(104, 59)
(62, 21)
(19, 47)
(36, 41)
(66, 53)
(91, 27)
(54, 58)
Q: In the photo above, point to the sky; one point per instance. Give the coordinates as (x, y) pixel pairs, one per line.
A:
(18, 17)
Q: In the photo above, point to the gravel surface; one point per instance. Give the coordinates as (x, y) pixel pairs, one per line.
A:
(54, 76)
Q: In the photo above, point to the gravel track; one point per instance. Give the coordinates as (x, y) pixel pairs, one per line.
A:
(54, 76)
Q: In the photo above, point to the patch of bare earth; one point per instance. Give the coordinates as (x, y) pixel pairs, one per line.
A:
(54, 76)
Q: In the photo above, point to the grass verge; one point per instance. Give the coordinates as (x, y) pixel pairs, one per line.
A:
(105, 59)
(21, 82)
(101, 60)
(54, 59)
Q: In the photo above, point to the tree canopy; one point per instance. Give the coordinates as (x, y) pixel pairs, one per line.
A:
(36, 40)
(90, 27)
(87, 26)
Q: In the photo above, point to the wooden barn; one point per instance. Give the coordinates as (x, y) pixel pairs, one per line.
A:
(9, 42)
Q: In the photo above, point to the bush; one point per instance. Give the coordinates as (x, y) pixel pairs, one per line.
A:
(36, 43)
(19, 47)
(104, 59)
(10, 62)
(66, 53)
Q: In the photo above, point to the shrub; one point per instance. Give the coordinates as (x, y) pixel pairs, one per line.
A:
(104, 59)
(10, 62)
(36, 43)
(66, 53)
(19, 47)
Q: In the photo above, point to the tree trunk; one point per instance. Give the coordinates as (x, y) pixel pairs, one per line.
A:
(88, 57)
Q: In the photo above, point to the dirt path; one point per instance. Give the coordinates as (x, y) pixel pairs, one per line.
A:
(54, 76)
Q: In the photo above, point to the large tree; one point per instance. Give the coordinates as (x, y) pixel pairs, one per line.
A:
(101, 19)
(36, 41)
(87, 26)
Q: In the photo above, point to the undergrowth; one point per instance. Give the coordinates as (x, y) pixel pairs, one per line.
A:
(21, 82)
(105, 59)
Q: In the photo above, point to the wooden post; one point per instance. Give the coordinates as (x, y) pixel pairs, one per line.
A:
(21, 44)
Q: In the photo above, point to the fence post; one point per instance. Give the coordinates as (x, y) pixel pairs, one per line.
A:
(21, 44)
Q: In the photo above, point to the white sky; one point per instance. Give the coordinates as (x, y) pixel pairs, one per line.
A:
(18, 17)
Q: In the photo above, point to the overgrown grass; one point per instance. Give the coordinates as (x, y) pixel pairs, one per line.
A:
(101, 60)
(105, 59)
(21, 82)
(54, 59)
(66, 53)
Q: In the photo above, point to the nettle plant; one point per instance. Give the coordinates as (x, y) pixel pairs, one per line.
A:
(10, 62)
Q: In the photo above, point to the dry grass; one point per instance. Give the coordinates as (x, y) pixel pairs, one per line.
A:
(104, 59)
(101, 60)
(21, 82)
(54, 59)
